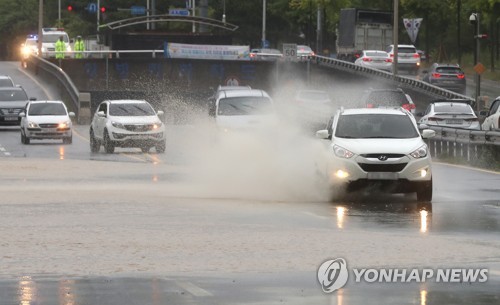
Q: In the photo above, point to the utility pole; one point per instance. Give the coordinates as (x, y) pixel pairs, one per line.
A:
(40, 26)
(264, 23)
(395, 38)
(319, 31)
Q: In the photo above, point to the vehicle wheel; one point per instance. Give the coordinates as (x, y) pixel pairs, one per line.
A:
(424, 192)
(145, 149)
(23, 138)
(108, 145)
(94, 143)
(160, 148)
(68, 140)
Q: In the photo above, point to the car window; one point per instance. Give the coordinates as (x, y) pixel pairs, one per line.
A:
(386, 98)
(375, 126)
(103, 108)
(494, 107)
(245, 105)
(451, 70)
(452, 108)
(13, 95)
(132, 109)
(5, 82)
(406, 50)
(51, 38)
(379, 54)
(47, 109)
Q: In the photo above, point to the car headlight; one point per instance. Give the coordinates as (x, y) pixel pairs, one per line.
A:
(117, 125)
(342, 152)
(44, 49)
(156, 125)
(64, 125)
(420, 152)
(33, 125)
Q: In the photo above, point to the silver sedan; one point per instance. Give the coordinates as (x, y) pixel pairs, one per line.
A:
(375, 59)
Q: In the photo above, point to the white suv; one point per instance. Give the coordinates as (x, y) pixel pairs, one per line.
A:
(492, 120)
(408, 57)
(377, 147)
(127, 123)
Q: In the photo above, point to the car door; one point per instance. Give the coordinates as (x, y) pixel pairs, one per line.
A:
(100, 122)
(490, 118)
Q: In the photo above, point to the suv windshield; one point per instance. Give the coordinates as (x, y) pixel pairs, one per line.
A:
(245, 105)
(51, 38)
(13, 95)
(371, 125)
(406, 50)
(47, 109)
(132, 109)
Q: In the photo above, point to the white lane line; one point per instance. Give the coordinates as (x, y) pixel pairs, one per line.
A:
(5, 152)
(315, 215)
(2, 149)
(194, 290)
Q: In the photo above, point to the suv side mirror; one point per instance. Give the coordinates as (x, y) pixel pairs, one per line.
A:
(160, 113)
(322, 134)
(428, 133)
(22, 114)
(101, 114)
(71, 114)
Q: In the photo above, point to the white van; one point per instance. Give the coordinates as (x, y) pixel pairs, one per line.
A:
(49, 39)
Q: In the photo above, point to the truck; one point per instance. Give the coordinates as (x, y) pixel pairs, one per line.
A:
(362, 29)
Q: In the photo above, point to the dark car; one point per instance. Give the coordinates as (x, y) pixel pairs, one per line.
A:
(13, 101)
(387, 98)
(446, 76)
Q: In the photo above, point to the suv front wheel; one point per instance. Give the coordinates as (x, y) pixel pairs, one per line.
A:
(424, 191)
(109, 147)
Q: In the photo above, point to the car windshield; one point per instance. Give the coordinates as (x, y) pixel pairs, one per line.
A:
(13, 95)
(365, 126)
(245, 105)
(386, 98)
(131, 109)
(51, 38)
(47, 109)
(376, 54)
(453, 108)
(406, 50)
(451, 70)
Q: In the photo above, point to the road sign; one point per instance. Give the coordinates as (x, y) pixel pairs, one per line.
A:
(178, 12)
(479, 68)
(266, 44)
(92, 7)
(290, 51)
(137, 10)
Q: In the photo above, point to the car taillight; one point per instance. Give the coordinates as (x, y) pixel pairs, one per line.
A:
(367, 59)
(434, 119)
(392, 55)
(388, 60)
(252, 55)
(461, 76)
(408, 106)
(312, 53)
(357, 55)
(370, 106)
(416, 55)
(436, 75)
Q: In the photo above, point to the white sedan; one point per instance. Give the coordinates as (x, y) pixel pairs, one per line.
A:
(46, 120)
(375, 59)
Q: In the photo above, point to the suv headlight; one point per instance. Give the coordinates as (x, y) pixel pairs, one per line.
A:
(117, 125)
(33, 125)
(64, 125)
(156, 125)
(420, 153)
(342, 152)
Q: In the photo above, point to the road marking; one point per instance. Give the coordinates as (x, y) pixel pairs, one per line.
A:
(468, 167)
(5, 152)
(194, 290)
(2, 149)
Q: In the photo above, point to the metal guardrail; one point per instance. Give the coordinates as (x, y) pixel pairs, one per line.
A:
(402, 81)
(68, 89)
(475, 146)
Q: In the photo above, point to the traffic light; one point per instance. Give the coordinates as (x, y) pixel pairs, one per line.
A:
(103, 9)
(70, 8)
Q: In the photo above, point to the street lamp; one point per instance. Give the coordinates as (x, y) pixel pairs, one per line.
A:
(474, 20)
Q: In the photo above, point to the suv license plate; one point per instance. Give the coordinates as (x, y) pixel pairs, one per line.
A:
(11, 118)
(455, 122)
(382, 176)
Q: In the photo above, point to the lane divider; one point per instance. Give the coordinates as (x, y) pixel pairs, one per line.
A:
(4, 151)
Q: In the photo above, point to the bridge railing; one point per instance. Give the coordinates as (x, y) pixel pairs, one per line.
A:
(69, 92)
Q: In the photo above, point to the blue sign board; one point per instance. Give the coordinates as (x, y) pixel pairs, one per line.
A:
(138, 10)
(266, 44)
(92, 7)
(178, 12)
